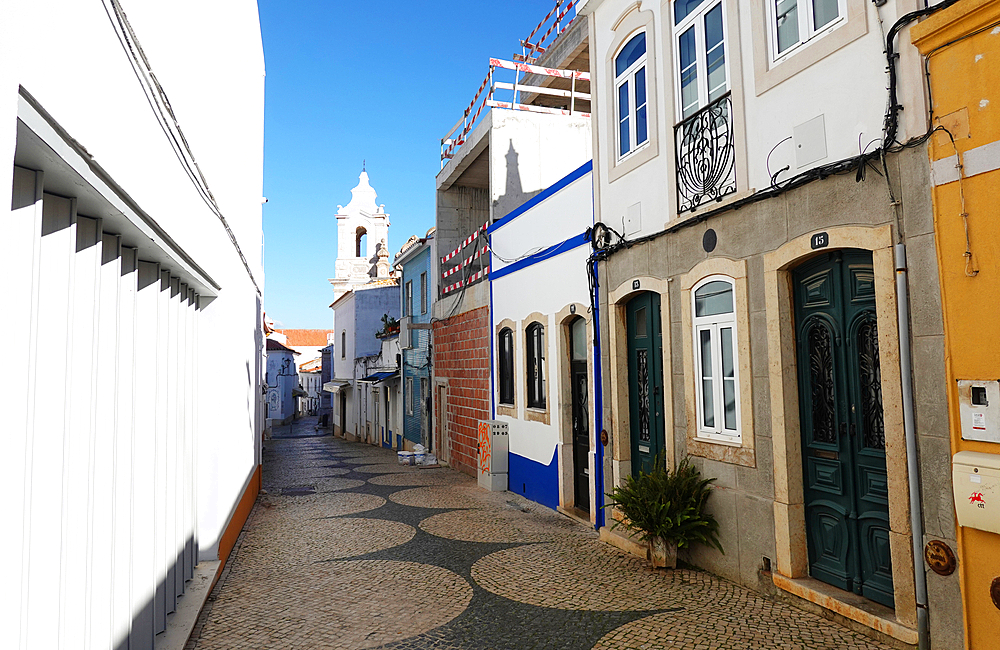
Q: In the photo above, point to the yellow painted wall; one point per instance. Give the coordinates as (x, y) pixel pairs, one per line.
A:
(963, 46)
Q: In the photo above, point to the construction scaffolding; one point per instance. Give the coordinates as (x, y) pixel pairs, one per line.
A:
(558, 21)
(451, 142)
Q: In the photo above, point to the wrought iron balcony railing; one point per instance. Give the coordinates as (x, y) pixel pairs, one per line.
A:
(706, 168)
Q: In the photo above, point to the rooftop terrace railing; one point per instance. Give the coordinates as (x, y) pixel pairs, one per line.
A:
(486, 98)
(558, 21)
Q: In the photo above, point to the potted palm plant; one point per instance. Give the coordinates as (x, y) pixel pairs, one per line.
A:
(666, 509)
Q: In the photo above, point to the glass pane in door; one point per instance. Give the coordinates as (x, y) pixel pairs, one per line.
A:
(707, 386)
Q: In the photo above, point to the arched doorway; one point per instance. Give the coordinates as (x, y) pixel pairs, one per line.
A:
(845, 483)
(580, 412)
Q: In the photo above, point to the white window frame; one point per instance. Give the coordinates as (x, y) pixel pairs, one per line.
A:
(409, 396)
(628, 76)
(697, 19)
(807, 34)
(423, 292)
(714, 324)
(408, 298)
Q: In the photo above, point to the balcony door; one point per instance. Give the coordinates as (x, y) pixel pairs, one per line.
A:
(703, 135)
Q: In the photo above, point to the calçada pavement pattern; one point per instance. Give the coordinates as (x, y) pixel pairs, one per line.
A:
(348, 549)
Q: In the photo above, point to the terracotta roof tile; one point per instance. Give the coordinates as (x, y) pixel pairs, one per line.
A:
(306, 337)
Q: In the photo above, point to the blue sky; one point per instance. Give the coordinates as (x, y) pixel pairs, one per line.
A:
(352, 81)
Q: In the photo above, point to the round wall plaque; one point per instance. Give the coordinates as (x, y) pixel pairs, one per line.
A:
(995, 592)
(940, 558)
(709, 240)
(604, 437)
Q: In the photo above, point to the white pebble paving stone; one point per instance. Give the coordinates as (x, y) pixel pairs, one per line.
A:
(336, 605)
(436, 497)
(316, 506)
(321, 539)
(487, 526)
(384, 468)
(424, 477)
(573, 568)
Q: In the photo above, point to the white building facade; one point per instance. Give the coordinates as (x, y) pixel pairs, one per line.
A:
(543, 346)
(135, 276)
(282, 379)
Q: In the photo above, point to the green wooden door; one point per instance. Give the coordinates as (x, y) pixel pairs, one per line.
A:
(645, 380)
(581, 413)
(843, 436)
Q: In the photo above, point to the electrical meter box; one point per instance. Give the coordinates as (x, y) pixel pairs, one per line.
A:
(976, 481)
(979, 409)
(493, 445)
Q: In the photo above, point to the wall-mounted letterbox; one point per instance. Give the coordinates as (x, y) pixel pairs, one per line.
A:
(979, 409)
(976, 481)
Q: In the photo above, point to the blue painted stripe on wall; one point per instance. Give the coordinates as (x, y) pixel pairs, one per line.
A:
(534, 481)
(551, 251)
(574, 175)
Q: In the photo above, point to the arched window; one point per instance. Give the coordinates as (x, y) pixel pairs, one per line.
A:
(630, 89)
(343, 345)
(535, 338)
(505, 353)
(361, 240)
(716, 369)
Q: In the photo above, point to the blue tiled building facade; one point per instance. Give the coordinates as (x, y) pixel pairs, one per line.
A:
(417, 292)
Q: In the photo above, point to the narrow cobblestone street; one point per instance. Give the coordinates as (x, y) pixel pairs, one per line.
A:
(348, 549)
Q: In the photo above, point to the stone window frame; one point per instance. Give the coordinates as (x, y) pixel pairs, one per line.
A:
(535, 375)
(629, 24)
(735, 67)
(532, 413)
(770, 71)
(508, 410)
(626, 77)
(740, 452)
(717, 321)
(791, 569)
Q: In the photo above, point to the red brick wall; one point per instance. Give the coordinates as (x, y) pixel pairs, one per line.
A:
(462, 355)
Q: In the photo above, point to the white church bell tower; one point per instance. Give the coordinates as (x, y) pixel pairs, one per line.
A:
(362, 240)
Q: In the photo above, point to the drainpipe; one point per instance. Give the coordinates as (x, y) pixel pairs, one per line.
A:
(598, 407)
(913, 469)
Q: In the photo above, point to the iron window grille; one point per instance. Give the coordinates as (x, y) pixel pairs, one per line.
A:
(705, 155)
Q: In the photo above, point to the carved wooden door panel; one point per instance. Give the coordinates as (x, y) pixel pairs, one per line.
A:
(645, 380)
(843, 436)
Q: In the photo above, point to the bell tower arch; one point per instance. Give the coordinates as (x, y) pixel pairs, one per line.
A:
(362, 234)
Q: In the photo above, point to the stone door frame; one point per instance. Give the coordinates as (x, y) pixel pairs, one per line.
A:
(792, 570)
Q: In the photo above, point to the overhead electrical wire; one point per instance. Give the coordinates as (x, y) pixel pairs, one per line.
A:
(159, 102)
(858, 164)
